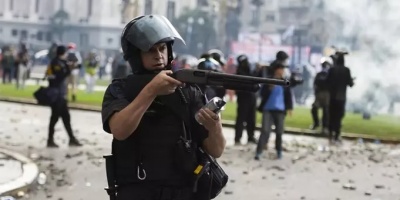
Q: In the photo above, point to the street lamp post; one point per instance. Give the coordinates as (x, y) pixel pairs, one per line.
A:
(232, 18)
(258, 4)
(190, 21)
(200, 45)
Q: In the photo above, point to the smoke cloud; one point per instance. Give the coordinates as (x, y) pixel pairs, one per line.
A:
(369, 30)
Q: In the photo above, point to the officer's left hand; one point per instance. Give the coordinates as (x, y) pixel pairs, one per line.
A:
(208, 119)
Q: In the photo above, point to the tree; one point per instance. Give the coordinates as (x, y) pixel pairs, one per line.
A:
(197, 29)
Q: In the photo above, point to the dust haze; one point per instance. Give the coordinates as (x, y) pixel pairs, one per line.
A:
(369, 30)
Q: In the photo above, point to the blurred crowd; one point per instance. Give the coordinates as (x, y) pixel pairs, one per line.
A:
(18, 64)
(327, 83)
(14, 64)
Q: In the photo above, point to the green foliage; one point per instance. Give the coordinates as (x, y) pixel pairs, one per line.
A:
(380, 125)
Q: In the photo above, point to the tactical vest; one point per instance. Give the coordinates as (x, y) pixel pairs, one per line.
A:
(154, 141)
(321, 81)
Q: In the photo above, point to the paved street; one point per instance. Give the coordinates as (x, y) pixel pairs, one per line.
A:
(309, 170)
(10, 168)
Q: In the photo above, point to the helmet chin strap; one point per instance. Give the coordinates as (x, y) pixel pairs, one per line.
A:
(136, 63)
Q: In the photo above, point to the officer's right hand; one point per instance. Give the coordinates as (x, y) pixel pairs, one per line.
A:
(163, 84)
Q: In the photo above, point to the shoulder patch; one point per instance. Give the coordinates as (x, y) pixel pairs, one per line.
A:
(117, 88)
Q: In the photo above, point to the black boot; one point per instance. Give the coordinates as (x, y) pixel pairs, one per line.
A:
(237, 143)
(51, 144)
(50, 140)
(74, 143)
(252, 140)
(314, 114)
(330, 138)
(72, 139)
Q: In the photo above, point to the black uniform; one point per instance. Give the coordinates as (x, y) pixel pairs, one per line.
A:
(211, 64)
(339, 77)
(154, 146)
(246, 105)
(155, 162)
(321, 91)
(57, 73)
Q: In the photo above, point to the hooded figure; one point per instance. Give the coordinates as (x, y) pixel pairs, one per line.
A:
(338, 79)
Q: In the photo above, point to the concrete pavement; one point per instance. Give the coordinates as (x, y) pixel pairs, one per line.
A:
(17, 173)
(310, 169)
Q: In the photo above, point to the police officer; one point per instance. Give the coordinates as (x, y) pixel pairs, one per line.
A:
(339, 78)
(57, 74)
(207, 62)
(246, 102)
(218, 56)
(145, 125)
(321, 92)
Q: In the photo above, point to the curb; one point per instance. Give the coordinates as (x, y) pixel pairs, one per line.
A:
(30, 172)
(231, 124)
(311, 133)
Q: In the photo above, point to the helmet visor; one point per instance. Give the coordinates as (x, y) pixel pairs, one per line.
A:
(150, 30)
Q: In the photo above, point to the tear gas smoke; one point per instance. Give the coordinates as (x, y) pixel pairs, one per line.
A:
(369, 30)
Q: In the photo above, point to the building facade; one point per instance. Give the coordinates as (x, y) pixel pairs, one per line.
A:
(88, 23)
(303, 19)
(98, 23)
(169, 8)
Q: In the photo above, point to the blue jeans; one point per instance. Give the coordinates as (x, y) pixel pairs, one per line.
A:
(270, 118)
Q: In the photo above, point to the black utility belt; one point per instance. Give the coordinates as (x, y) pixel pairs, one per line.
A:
(154, 187)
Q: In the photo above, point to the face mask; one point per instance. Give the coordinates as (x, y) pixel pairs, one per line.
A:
(286, 73)
(286, 62)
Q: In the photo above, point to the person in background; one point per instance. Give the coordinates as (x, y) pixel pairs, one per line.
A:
(57, 73)
(120, 68)
(75, 58)
(103, 62)
(230, 69)
(22, 65)
(275, 104)
(321, 91)
(176, 63)
(7, 64)
(339, 78)
(52, 51)
(91, 66)
(246, 102)
(218, 56)
(282, 58)
(206, 62)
